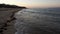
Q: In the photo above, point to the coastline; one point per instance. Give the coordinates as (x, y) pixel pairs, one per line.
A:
(7, 17)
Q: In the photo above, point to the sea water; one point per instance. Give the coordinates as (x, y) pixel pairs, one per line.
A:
(38, 21)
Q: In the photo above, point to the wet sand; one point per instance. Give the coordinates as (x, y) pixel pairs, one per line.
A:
(7, 20)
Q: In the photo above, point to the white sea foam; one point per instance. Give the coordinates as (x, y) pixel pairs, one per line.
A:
(30, 20)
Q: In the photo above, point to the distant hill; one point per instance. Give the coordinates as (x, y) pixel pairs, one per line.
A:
(10, 6)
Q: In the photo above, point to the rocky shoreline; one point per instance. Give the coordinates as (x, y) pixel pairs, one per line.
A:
(7, 20)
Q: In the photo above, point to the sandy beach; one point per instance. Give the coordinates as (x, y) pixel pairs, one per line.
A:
(5, 18)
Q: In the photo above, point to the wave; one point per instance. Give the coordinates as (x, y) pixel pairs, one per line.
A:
(37, 22)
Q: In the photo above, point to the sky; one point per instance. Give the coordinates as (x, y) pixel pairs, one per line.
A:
(33, 3)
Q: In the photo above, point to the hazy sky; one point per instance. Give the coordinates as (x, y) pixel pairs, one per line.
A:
(33, 3)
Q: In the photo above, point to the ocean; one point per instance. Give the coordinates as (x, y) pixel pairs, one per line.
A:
(38, 21)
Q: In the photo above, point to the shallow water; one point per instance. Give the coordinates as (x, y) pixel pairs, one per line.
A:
(38, 21)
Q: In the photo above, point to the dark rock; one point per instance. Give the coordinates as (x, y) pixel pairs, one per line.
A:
(11, 19)
(1, 31)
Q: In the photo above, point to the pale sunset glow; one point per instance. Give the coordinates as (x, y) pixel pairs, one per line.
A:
(33, 3)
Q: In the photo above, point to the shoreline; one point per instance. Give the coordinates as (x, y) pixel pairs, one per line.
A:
(7, 20)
